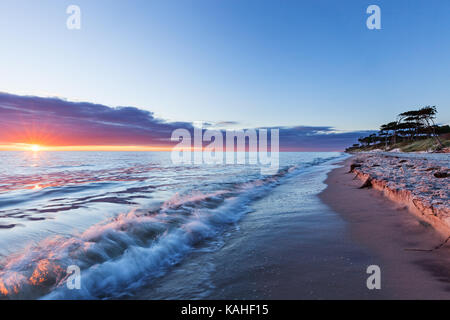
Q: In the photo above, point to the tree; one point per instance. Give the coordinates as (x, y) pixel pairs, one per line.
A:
(422, 120)
(442, 129)
(427, 115)
(411, 122)
(385, 130)
(409, 125)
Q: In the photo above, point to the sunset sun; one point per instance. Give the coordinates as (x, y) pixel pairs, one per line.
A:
(35, 148)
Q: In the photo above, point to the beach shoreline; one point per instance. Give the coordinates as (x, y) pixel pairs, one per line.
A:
(419, 184)
(402, 243)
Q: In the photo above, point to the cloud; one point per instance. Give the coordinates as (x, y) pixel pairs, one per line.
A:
(318, 138)
(58, 122)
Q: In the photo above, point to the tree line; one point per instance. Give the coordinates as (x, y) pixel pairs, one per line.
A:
(409, 126)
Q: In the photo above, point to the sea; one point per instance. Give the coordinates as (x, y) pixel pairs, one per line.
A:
(133, 225)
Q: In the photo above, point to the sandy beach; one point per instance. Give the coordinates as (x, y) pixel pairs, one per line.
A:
(412, 253)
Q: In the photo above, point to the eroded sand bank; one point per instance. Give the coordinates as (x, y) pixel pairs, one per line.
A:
(419, 183)
(404, 243)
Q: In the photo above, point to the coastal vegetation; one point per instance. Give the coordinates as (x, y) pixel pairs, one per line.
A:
(412, 131)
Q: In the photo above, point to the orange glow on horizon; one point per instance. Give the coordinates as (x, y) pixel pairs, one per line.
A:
(38, 148)
(35, 148)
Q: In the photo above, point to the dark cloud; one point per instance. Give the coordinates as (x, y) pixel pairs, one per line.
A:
(60, 122)
(57, 122)
(318, 138)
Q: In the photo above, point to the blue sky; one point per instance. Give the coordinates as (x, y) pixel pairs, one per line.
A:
(259, 63)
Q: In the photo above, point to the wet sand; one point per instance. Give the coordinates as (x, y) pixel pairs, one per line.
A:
(288, 246)
(388, 230)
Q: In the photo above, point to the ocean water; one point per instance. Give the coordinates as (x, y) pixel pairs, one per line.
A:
(140, 227)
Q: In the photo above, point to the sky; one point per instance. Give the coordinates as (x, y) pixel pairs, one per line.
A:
(251, 63)
(29, 122)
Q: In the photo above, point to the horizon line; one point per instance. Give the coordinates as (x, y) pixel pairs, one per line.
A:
(36, 148)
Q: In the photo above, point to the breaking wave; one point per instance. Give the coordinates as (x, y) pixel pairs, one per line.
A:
(128, 251)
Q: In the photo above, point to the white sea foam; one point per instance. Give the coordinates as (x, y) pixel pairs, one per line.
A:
(121, 254)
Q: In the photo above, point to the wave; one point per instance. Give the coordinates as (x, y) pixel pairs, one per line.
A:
(128, 251)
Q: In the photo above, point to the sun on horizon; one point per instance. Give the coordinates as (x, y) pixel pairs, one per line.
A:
(41, 147)
(35, 148)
